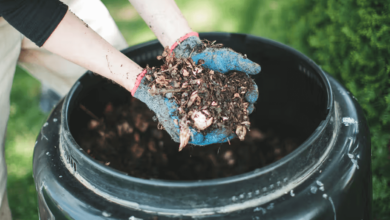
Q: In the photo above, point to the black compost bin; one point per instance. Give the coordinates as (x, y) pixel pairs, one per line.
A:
(327, 177)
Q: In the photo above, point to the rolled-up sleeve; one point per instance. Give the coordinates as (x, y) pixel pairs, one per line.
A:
(35, 19)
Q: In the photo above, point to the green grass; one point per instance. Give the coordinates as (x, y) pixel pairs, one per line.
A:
(23, 127)
(264, 18)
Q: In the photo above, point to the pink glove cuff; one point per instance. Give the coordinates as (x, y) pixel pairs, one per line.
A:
(138, 81)
(183, 38)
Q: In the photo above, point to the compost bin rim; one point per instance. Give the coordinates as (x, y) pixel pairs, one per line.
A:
(218, 181)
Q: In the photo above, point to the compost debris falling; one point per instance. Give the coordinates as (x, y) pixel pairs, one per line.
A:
(206, 99)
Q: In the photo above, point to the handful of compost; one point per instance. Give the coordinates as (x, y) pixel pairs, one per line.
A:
(205, 99)
(202, 94)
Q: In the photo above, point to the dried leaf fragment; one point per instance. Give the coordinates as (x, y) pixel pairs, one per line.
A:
(176, 84)
(164, 54)
(184, 72)
(152, 90)
(185, 85)
(161, 80)
(193, 97)
(206, 112)
(148, 77)
(185, 133)
(197, 70)
(241, 132)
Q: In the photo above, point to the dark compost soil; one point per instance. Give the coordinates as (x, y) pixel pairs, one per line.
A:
(126, 138)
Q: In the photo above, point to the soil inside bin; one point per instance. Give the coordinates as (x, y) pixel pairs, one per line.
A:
(127, 138)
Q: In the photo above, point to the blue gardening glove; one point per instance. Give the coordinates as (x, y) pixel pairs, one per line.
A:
(222, 60)
(218, 59)
(158, 104)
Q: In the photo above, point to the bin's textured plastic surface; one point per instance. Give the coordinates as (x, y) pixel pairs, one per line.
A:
(327, 177)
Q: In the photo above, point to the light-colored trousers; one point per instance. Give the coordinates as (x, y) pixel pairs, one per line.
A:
(50, 69)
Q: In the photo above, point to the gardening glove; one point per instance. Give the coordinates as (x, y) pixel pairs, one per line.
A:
(160, 105)
(222, 60)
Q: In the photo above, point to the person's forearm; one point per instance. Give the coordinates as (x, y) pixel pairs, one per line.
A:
(76, 42)
(164, 18)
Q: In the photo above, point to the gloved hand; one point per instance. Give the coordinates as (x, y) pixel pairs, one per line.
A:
(158, 104)
(218, 59)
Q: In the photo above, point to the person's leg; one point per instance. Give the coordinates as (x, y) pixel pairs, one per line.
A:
(57, 72)
(5, 212)
(10, 45)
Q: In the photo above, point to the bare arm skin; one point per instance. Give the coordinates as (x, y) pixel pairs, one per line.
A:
(76, 42)
(164, 18)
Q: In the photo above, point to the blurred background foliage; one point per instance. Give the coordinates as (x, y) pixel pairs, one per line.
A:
(349, 39)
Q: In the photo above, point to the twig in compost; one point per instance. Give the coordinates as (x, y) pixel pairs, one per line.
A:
(164, 91)
(89, 112)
